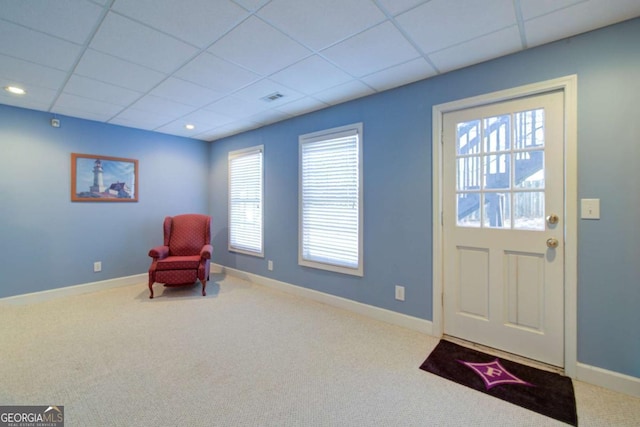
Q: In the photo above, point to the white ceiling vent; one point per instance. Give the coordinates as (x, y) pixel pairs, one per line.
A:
(272, 97)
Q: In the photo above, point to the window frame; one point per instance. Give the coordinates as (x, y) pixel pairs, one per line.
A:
(234, 155)
(325, 135)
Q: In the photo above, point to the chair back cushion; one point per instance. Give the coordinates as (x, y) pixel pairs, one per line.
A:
(188, 234)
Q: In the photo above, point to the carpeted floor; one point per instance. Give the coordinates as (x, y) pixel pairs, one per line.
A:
(245, 355)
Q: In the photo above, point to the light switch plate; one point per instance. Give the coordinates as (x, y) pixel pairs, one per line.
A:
(590, 208)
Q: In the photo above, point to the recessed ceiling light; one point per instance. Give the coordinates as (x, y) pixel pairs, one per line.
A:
(189, 126)
(15, 90)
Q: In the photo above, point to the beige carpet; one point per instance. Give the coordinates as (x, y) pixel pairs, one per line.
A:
(245, 355)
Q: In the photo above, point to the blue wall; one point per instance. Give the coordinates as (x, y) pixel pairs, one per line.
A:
(397, 187)
(48, 242)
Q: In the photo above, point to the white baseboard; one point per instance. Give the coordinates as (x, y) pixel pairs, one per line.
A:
(409, 322)
(51, 294)
(608, 379)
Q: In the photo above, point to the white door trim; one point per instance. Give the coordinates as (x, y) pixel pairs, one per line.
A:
(568, 85)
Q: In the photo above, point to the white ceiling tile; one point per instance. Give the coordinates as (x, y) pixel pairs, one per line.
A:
(578, 18)
(177, 128)
(20, 42)
(204, 120)
(380, 47)
(141, 119)
(227, 130)
(252, 5)
(240, 125)
(411, 71)
(139, 44)
(311, 75)
(28, 73)
(237, 108)
(185, 92)
(214, 73)
(28, 102)
(477, 50)
(302, 106)
(89, 88)
(269, 116)
(72, 20)
(309, 22)
(212, 134)
(67, 102)
(81, 114)
(156, 105)
(344, 92)
(395, 7)
(199, 22)
(259, 47)
(534, 8)
(442, 23)
(109, 69)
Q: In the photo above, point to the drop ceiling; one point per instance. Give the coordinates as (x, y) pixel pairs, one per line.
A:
(229, 66)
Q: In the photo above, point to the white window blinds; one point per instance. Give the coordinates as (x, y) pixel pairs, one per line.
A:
(245, 201)
(330, 200)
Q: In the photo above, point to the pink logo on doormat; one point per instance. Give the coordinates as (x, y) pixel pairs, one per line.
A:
(493, 374)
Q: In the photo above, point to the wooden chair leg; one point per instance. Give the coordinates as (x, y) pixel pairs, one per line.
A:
(150, 289)
(204, 285)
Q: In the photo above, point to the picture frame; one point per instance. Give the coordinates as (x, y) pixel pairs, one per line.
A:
(96, 178)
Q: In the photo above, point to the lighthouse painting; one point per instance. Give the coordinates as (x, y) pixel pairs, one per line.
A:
(103, 179)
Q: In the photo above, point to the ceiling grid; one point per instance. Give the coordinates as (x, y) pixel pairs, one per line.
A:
(161, 64)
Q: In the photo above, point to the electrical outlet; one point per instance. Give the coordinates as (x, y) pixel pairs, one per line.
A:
(270, 265)
(400, 293)
(97, 266)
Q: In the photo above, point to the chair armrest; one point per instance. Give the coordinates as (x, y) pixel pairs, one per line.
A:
(206, 251)
(159, 252)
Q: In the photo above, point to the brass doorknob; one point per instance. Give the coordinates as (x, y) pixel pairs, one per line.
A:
(553, 219)
(552, 243)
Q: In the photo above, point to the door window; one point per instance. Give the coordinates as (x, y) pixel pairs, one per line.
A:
(500, 171)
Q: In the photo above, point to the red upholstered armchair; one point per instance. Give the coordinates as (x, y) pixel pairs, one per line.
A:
(186, 253)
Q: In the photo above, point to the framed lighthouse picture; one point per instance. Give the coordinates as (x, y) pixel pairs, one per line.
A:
(103, 179)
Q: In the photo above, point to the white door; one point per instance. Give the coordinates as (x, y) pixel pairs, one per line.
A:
(503, 198)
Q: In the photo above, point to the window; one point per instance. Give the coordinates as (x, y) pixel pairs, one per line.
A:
(245, 201)
(330, 200)
(500, 171)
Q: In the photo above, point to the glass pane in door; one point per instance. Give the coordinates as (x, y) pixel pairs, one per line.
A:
(497, 133)
(468, 209)
(528, 210)
(528, 129)
(497, 171)
(468, 137)
(468, 176)
(497, 210)
(529, 169)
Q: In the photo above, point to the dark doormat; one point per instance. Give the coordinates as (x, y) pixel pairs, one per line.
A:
(541, 391)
